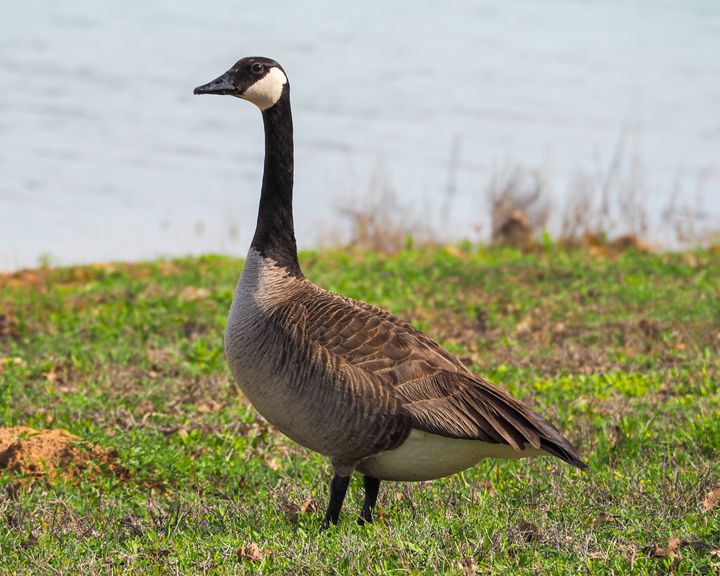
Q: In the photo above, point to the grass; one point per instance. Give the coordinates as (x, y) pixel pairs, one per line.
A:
(620, 350)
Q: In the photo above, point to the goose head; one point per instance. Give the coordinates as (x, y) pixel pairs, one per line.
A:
(259, 80)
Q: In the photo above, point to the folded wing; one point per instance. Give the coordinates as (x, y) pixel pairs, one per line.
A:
(433, 387)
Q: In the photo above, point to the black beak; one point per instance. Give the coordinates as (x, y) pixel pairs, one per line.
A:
(221, 85)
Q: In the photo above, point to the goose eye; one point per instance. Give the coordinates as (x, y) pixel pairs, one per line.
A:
(257, 67)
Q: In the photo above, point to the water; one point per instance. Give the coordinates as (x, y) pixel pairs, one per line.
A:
(105, 154)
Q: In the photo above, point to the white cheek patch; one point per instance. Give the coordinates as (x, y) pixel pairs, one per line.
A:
(266, 91)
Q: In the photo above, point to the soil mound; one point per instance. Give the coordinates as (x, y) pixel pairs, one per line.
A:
(53, 454)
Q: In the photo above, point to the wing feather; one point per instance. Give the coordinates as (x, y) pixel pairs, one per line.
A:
(433, 387)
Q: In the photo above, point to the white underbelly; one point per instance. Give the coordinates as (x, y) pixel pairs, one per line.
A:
(425, 456)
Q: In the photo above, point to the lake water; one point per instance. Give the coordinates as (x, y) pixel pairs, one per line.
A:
(105, 154)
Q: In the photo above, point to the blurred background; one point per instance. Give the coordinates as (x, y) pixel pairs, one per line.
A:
(433, 118)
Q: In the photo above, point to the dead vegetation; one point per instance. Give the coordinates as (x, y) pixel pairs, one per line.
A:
(548, 346)
(608, 207)
(378, 220)
(8, 324)
(519, 207)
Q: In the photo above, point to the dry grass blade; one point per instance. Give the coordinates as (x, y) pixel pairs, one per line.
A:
(528, 531)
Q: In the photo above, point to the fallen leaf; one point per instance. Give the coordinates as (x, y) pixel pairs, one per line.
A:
(252, 552)
(712, 499)
(715, 565)
(209, 406)
(308, 504)
(669, 551)
(524, 326)
(602, 519)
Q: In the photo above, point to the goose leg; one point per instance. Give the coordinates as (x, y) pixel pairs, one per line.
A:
(372, 485)
(338, 487)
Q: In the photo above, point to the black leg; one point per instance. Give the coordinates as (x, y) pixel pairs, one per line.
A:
(338, 487)
(372, 485)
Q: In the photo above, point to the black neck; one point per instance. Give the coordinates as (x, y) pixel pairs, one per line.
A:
(275, 232)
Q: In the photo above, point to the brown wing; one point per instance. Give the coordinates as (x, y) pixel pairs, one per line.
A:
(438, 392)
(375, 340)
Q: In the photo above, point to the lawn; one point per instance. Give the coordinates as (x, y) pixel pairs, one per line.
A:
(180, 475)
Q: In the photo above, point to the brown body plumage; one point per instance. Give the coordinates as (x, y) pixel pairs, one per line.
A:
(344, 378)
(350, 380)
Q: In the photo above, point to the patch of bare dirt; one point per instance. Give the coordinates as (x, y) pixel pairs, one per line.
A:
(54, 454)
(41, 278)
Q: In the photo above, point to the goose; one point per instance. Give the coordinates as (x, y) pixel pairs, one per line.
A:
(347, 379)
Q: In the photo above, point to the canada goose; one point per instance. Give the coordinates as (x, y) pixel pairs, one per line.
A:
(344, 378)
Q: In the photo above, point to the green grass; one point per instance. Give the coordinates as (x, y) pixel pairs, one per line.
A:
(620, 351)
